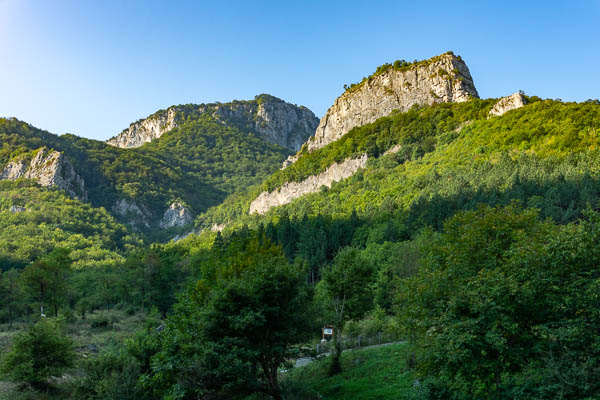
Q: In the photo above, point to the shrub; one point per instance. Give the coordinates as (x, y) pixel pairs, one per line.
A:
(38, 354)
(100, 322)
(113, 374)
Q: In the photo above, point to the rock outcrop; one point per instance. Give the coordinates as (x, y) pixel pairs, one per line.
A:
(293, 190)
(271, 118)
(48, 168)
(445, 78)
(135, 215)
(146, 130)
(176, 215)
(14, 170)
(505, 104)
(17, 209)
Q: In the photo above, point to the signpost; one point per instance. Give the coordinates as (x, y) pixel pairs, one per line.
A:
(327, 331)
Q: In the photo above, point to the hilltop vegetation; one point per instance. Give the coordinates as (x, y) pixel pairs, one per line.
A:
(398, 65)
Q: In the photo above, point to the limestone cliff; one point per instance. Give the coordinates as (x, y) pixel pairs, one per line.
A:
(135, 215)
(445, 78)
(146, 130)
(176, 215)
(48, 168)
(505, 104)
(271, 118)
(293, 190)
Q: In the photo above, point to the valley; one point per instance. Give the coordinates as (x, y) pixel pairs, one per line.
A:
(201, 251)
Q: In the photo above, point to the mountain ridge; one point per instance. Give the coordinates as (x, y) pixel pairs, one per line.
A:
(158, 188)
(273, 119)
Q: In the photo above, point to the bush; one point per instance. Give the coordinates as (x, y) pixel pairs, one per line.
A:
(38, 354)
(100, 322)
(69, 316)
(113, 374)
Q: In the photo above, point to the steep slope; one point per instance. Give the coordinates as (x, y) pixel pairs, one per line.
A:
(164, 184)
(448, 157)
(392, 88)
(272, 119)
(47, 168)
(34, 220)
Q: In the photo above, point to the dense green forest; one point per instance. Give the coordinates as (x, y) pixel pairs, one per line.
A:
(35, 220)
(475, 245)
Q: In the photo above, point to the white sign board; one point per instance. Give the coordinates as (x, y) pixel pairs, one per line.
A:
(327, 331)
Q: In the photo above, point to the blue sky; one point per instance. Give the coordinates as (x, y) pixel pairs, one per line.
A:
(92, 67)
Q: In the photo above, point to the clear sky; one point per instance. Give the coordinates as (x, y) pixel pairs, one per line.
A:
(93, 67)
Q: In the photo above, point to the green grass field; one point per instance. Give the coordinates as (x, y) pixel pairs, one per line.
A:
(368, 374)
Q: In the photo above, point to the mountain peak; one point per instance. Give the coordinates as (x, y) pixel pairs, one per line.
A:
(271, 118)
(395, 86)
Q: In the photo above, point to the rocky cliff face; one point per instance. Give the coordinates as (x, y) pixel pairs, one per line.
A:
(176, 215)
(505, 104)
(271, 118)
(48, 168)
(293, 190)
(444, 78)
(146, 130)
(14, 170)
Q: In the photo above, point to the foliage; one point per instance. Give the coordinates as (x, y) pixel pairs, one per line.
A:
(51, 219)
(544, 154)
(45, 279)
(398, 65)
(114, 374)
(348, 286)
(38, 354)
(200, 162)
(503, 304)
(234, 328)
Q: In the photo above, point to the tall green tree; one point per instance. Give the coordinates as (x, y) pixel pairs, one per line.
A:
(232, 331)
(349, 286)
(11, 293)
(473, 306)
(46, 279)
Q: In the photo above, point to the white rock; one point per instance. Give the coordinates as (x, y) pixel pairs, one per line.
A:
(217, 227)
(445, 79)
(176, 215)
(505, 104)
(293, 190)
(273, 119)
(48, 168)
(14, 170)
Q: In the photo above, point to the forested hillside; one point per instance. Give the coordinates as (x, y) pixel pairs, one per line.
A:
(198, 163)
(35, 220)
(449, 157)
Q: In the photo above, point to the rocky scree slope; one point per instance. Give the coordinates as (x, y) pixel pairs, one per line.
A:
(273, 119)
